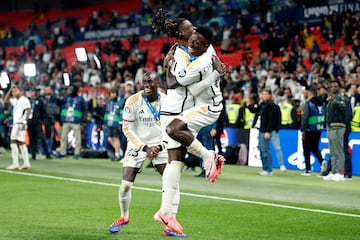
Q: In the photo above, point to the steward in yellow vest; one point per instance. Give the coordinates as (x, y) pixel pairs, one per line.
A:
(288, 113)
(355, 122)
(247, 113)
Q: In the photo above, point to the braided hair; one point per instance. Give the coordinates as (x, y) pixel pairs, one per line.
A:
(167, 26)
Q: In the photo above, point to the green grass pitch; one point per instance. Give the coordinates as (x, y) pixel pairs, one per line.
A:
(77, 199)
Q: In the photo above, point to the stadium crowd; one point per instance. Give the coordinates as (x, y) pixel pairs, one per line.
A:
(289, 60)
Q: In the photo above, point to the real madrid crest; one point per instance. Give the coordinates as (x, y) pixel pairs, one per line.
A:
(182, 73)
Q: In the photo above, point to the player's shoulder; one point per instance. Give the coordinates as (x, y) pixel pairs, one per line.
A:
(23, 99)
(201, 62)
(134, 98)
(162, 95)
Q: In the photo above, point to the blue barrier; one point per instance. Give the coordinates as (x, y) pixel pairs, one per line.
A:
(94, 137)
(292, 149)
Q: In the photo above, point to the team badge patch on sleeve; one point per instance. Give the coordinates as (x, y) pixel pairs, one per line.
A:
(182, 73)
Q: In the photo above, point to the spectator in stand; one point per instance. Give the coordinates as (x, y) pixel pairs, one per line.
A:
(261, 71)
(354, 96)
(274, 45)
(337, 24)
(288, 62)
(295, 86)
(264, 43)
(94, 23)
(271, 81)
(2, 58)
(247, 54)
(355, 49)
(36, 118)
(296, 42)
(265, 60)
(230, 84)
(309, 39)
(328, 30)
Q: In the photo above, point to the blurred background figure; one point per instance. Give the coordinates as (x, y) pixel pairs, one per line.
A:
(73, 114)
(112, 123)
(35, 123)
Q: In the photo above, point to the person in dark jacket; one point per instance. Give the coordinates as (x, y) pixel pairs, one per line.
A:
(336, 126)
(312, 123)
(347, 154)
(53, 114)
(37, 116)
(264, 121)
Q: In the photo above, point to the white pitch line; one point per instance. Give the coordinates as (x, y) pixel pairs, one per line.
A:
(186, 194)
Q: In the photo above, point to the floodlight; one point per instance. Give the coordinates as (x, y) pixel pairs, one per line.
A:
(66, 79)
(81, 54)
(97, 61)
(4, 80)
(30, 69)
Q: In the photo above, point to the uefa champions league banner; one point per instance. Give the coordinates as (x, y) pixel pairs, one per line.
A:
(291, 146)
(94, 137)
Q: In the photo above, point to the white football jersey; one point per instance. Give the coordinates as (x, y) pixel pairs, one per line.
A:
(19, 107)
(198, 70)
(140, 125)
(178, 99)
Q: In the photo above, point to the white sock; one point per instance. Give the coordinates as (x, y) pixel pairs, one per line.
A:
(125, 198)
(170, 183)
(15, 154)
(199, 150)
(24, 154)
(176, 202)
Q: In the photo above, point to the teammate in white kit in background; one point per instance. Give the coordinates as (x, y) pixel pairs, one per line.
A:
(21, 112)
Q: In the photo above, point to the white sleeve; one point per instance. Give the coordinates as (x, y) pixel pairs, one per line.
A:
(186, 77)
(27, 104)
(129, 124)
(198, 87)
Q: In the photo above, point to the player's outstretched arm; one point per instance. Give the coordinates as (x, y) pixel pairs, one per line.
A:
(198, 87)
